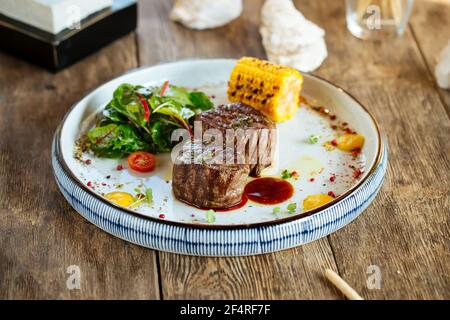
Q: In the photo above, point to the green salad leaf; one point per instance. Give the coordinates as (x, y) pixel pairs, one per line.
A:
(115, 140)
(200, 100)
(172, 108)
(180, 95)
(126, 126)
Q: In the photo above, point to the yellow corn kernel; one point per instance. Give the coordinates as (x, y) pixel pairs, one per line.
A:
(350, 142)
(315, 201)
(121, 198)
(270, 88)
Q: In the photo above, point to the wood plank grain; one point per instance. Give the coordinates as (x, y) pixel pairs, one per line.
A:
(406, 230)
(292, 274)
(161, 40)
(430, 24)
(40, 234)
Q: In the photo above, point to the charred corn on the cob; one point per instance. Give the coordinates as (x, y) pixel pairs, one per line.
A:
(272, 89)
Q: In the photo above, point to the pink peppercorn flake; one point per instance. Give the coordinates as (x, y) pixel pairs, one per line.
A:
(357, 173)
(119, 167)
(349, 131)
(162, 216)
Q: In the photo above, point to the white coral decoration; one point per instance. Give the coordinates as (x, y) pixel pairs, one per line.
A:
(442, 71)
(205, 14)
(289, 38)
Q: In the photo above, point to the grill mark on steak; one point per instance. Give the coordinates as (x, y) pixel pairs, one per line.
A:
(238, 116)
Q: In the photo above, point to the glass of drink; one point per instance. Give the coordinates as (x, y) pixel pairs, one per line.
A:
(367, 19)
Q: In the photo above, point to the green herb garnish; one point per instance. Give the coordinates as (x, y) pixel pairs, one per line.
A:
(291, 207)
(313, 139)
(211, 216)
(140, 197)
(276, 210)
(149, 196)
(285, 174)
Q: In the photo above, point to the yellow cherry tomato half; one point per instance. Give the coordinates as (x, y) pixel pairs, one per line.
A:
(350, 142)
(121, 198)
(315, 201)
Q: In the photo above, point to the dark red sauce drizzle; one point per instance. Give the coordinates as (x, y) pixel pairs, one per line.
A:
(269, 190)
(238, 205)
(261, 190)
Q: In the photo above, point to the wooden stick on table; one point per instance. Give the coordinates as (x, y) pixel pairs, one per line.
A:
(343, 286)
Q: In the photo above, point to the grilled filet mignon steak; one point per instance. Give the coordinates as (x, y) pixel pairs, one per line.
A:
(251, 131)
(205, 180)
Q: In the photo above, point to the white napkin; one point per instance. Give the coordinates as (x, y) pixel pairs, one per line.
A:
(289, 38)
(205, 14)
(442, 70)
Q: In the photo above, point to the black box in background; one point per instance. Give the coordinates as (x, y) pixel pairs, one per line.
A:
(56, 52)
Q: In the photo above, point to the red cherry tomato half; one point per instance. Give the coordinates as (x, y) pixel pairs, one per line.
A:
(142, 161)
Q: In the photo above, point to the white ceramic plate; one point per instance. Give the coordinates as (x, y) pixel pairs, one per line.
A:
(314, 162)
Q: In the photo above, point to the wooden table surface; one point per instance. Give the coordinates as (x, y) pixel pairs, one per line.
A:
(405, 232)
